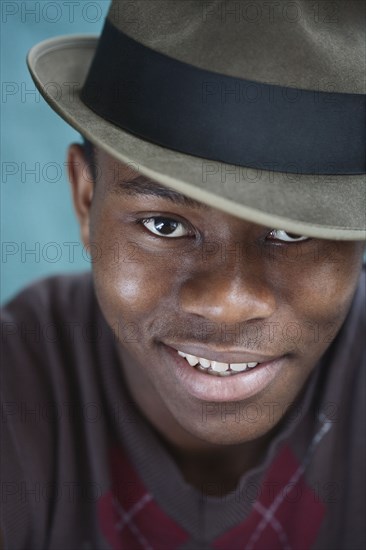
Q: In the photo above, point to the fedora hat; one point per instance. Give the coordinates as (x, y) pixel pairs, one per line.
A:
(255, 108)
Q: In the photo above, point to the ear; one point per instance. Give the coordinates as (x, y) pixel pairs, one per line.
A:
(82, 188)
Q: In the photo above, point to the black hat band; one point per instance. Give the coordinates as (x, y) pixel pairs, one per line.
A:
(223, 118)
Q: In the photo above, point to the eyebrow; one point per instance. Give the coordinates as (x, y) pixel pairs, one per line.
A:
(142, 186)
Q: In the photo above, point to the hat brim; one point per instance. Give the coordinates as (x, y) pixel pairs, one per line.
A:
(320, 206)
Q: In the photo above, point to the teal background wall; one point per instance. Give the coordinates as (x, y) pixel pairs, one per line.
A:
(39, 232)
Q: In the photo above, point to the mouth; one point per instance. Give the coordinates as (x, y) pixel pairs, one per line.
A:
(211, 375)
(217, 368)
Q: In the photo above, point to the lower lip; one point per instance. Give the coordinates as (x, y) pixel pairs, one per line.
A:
(236, 387)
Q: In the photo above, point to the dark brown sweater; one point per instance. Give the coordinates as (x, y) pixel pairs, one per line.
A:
(82, 469)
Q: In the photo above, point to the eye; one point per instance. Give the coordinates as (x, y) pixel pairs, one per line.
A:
(281, 235)
(166, 227)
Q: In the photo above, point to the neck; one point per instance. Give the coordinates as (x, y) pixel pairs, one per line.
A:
(216, 470)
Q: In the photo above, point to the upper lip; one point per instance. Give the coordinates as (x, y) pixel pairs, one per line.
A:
(223, 356)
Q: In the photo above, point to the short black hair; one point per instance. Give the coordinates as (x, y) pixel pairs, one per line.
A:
(89, 151)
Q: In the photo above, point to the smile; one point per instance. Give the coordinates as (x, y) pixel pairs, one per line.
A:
(234, 374)
(216, 368)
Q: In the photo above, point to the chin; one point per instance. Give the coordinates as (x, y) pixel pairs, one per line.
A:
(229, 432)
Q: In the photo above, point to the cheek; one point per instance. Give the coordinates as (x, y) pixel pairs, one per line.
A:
(331, 287)
(128, 286)
(129, 282)
(321, 292)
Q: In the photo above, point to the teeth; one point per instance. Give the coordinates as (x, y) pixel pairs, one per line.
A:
(238, 367)
(192, 360)
(215, 367)
(219, 367)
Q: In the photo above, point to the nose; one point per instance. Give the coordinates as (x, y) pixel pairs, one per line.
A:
(228, 296)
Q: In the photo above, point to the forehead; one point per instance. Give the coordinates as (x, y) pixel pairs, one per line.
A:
(125, 179)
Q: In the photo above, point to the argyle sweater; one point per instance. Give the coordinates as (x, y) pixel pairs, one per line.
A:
(82, 469)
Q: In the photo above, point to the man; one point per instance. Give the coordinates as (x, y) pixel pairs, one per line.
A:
(204, 387)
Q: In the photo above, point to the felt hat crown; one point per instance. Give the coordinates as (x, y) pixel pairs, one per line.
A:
(254, 108)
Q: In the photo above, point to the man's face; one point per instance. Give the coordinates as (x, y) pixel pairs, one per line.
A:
(172, 277)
